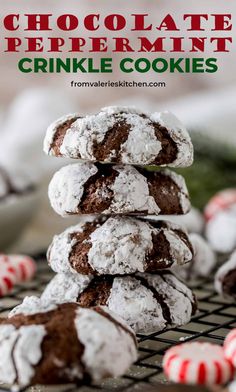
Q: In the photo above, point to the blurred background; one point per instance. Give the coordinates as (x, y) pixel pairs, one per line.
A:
(29, 102)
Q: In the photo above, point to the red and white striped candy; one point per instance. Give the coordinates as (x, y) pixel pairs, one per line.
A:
(197, 363)
(14, 269)
(25, 267)
(230, 347)
(8, 276)
(221, 201)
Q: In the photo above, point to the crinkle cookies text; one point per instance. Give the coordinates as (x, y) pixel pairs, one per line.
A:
(115, 33)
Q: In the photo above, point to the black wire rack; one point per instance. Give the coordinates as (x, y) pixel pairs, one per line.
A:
(212, 322)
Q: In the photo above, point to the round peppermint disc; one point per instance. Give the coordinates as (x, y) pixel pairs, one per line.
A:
(197, 363)
(221, 201)
(230, 347)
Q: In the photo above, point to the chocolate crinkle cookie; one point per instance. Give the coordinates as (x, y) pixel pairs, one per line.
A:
(119, 245)
(87, 188)
(148, 303)
(225, 278)
(59, 344)
(121, 135)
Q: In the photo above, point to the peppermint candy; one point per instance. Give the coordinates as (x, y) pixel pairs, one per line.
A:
(15, 269)
(197, 363)
(220, 202)
(230, 347)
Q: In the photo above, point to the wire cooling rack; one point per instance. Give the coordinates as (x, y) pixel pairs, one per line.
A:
(213, 321)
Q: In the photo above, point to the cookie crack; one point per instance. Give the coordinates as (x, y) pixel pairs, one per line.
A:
(159, 256)
(78, 256)
(97, 193)
(192, 301)
(168, 147)
(13, 359)
(184, 239)
(159, 298)
(60, 134)
(97, 292)
(164, 190)
(113, 140)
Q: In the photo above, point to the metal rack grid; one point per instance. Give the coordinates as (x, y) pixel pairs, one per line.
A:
(213, 321)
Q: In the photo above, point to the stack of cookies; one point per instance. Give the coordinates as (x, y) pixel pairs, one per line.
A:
(121, 255)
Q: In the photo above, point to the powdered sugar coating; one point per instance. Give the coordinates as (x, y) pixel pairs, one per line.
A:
(84, 132)
(66, 187)
(51, 131)
(59, 251)
(183, 190)
(8, 337)
(20, 351)
(180, 252)
(178, 297)
(111, 110)
(226, 268)
(61, 289)
(130, 190)
(120, 245)
(142, 145)
(79, 139)
(180, 136)
(109, 350)
(91, 331)
(136, 305)
(27, 351)
(135, 298)
(32, 305)
(65, 288)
